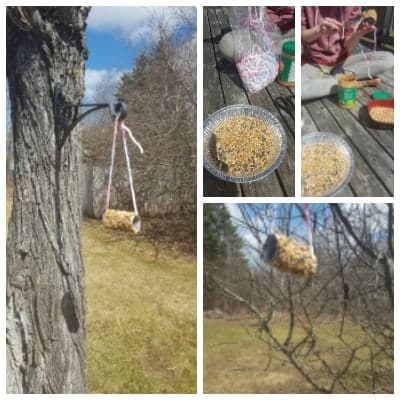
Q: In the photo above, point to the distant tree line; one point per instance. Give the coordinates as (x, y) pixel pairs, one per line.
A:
(353, 286)
(161, 94)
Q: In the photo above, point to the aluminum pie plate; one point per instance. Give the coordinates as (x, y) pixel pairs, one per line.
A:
(328, 137)
(210, 161)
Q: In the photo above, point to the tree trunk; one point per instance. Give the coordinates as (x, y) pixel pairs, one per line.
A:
(46, 350)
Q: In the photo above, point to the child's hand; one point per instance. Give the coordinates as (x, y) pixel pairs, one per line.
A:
(365, 27)
(329, 25)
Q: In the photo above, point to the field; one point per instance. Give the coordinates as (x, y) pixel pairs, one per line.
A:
(236, 360)
(141, 314)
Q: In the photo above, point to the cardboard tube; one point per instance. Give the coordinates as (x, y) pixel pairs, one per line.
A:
(118, 219)
(288, 255)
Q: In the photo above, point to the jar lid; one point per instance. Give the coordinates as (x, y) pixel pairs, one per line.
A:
(288, 47)
(380, 95)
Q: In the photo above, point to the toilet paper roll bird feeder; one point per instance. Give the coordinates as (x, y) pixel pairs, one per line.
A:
(289, 255)
(113, 218)
(66, 119)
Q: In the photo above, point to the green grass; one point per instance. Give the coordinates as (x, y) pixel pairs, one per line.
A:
(235, 360)
(141, 314)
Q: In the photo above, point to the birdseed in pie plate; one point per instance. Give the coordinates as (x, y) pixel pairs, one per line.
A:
(243, 143)
(327, 164)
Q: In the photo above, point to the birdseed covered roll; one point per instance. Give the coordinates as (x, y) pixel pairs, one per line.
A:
(119, 219)
(291, 256)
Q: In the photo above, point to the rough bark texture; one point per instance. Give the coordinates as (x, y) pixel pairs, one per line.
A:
(93, 189)
(45, 278)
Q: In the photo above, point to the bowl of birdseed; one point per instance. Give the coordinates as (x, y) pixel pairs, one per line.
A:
(243, 143)
(327, 164)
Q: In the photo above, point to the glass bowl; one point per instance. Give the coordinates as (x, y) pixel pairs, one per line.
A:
(328, 137)
(210, 161)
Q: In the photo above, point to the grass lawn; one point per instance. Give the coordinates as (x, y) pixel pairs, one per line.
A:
(141, 314)
(235, 360)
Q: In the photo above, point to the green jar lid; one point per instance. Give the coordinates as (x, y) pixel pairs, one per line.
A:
(380, 95)
(288, 47)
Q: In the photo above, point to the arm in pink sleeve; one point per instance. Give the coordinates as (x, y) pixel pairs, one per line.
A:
(350, 14)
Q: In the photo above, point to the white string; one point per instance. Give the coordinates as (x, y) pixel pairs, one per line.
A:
(112, 162)
(128, 165)
(310, 240)
(367, 61)
(271, 220)
(132, 137)
(125, 130)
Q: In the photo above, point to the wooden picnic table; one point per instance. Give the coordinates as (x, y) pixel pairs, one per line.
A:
(372, 144)
(222, 87)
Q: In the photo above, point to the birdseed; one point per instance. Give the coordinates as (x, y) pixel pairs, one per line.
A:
(245, 146)
(294, 257)
(382, 114)
(323, 167)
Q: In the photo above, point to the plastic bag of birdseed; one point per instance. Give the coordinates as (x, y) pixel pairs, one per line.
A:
(256, 43)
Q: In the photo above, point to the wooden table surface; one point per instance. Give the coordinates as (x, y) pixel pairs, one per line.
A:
(222, 87)
(372, 144)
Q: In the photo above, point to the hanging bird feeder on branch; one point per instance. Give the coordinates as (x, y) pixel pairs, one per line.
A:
(66, 119)
(289, 255)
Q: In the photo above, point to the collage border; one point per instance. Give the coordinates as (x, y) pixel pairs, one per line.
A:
(202, 200)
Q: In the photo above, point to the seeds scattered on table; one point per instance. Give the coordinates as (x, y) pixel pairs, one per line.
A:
(245, 145)
(323, 167)
(383, 114)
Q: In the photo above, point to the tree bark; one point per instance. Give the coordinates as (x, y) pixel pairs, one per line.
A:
(45, 277)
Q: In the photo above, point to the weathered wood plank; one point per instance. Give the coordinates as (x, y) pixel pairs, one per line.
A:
(378, 160)
(212, 92)
(230, 81)
(268, 100)
(283, 101)
(223, 20)
(213, 100)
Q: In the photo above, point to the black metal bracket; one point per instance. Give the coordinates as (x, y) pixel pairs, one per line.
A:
(66, 116)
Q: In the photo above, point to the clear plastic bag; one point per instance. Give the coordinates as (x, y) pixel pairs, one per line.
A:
(256, 42)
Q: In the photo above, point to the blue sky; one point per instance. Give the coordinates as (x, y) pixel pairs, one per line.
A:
(376, 221)
(107, 50)
(115, 37)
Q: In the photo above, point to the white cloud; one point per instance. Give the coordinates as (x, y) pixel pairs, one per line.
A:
(234, 212)
(100, 84)
(133, 23)
(119, 18)
(251, 242)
